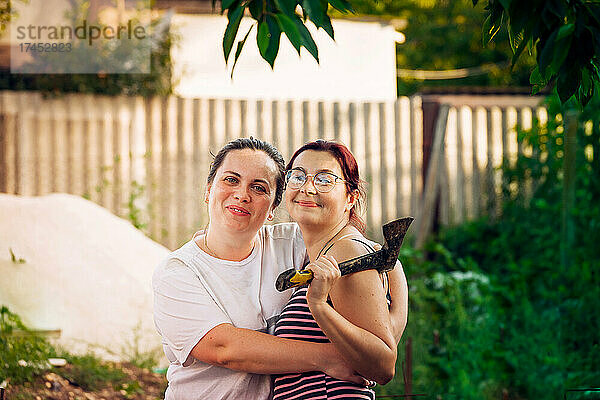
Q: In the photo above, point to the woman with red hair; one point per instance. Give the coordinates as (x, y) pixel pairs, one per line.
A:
(323, 193)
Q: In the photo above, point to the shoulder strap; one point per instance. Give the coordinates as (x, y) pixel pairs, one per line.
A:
(356, 238)
(338, 239)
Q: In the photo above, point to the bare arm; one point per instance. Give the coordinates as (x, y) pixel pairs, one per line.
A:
(359, 323)
(399, 307)
(183, 307)
(255, 352)
(399, 299)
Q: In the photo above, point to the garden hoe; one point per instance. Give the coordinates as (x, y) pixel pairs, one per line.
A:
(382, 260)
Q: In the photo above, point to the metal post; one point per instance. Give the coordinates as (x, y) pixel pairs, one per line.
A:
(408, 363)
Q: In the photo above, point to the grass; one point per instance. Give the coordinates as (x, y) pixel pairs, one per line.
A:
(24, 355)
(90, 373)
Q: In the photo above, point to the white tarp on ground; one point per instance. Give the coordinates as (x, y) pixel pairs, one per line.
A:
(85, 272)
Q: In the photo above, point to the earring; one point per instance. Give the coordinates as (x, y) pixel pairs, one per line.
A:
(270, 217)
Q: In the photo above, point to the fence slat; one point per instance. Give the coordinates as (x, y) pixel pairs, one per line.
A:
(399, 145)
(465, 137)
(3, 149)
(431, 189)
(448, 185)
(99, 146)
(459, 210)
(476, 187)
(416, 151)
(490, 187)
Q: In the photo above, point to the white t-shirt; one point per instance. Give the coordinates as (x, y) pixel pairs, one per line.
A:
(194, 292)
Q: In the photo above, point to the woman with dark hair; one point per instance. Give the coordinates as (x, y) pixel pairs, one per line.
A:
(322, 194)
(215, 298)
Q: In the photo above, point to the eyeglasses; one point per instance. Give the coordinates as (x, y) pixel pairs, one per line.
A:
(323, 181)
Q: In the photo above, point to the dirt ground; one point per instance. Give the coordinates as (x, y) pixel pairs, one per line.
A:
(51, 386)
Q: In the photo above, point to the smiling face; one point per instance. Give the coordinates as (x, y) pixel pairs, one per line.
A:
(241, 195)
(306, 205)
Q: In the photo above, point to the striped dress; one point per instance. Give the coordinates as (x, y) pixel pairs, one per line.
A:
(296, 322)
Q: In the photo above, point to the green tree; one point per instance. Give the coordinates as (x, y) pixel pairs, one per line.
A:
(563, 34)
(447, 35)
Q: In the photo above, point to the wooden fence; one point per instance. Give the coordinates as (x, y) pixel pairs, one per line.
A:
(146, 159)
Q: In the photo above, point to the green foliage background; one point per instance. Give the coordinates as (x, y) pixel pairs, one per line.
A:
(565, 36)
(492, 311)
(444, 35)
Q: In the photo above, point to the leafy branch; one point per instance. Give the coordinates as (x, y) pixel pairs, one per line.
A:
(565, 36)
(274, 17)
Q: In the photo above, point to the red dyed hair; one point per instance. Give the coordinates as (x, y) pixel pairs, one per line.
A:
(349, 167)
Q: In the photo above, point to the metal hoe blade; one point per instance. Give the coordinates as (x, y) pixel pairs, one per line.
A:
(382, 260)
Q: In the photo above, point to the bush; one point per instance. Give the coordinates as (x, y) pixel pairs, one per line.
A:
(493, 312)
(89, 373)
(23, 354)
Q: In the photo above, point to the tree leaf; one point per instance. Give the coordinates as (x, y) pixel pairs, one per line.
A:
(595, 72)
(342, 6)
(288, 7)
(545, 57)
(275, 32)
(263, 37)
(518, 52)
(505, 4)
(537, 81)
(587, 88)
(327, 27)
(561, 49)
(225, 4)
(593, 11)
(268, 39)
(587, 84)
(238, 51)
(565, 31)
(289, 27)
(556, 7)
(522, 45)
(307, 39)
(234, 16)
(596, 38)
(298, 34)
(490, 29)
(256, 9)
(567, 83)
(536, 78)
(515, 38)
(530, 45)
(519, 19)
(314, 10)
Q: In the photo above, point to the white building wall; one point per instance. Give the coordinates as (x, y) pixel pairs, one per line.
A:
(359, 65)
